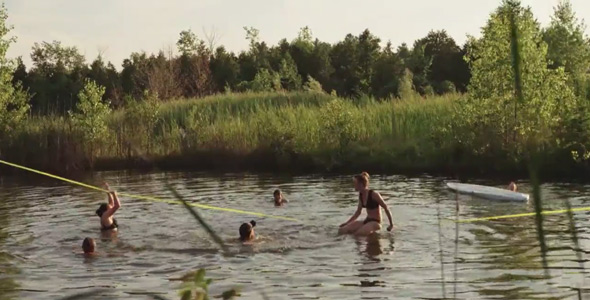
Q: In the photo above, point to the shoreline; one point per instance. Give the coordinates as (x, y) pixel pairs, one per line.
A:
(292, 133)
(262, 165)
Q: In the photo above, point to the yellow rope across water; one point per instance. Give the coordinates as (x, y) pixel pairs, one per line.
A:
(147, 198)
(239, 211)
(545, 212)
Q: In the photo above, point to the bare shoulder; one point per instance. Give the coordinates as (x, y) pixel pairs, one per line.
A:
(375, 193)
(377, 196)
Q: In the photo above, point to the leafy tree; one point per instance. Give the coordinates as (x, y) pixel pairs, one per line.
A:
(368, 51)
(568, 46)
(107, 76)
(265, 81)
(20, 73)
(290, 79)
(48, 58)
(344, 57)
(447, 87)
(312, 85)
(164, 76)
(56, 77)
(353, 60)
(188, 43)
(194, 74)
(320, 66)
(388, 69)
(406, 85)
(194, 77)
(90, 117)
(134, 74)
(493, 112)
(447, 63)
(140, 121)
(13, 100)
(252, 35)
(248, 66)
(301, 50)
(225, 69)
(257, 57)
(404, 53)
(339, 124)
(419, 64)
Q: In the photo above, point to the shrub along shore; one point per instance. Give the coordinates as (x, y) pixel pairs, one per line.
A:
(284, 132)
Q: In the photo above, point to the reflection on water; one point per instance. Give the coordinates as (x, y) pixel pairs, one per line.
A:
(374, 245)
(8, 262)
(43, 223)
(509, 253)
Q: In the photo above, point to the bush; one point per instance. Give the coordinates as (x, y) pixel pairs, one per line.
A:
(141, 118)
(265, 81)
(90, 118)
(406, 86)
(312, 85)
(339, 123)
(446, 87)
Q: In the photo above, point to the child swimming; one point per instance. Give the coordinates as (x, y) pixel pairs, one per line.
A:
(88, 245)
(247, 231)
(279, 199)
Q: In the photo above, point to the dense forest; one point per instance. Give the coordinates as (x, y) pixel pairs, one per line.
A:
(356, 66)
(516, 91)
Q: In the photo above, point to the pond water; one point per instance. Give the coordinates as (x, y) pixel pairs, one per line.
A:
(43, 223)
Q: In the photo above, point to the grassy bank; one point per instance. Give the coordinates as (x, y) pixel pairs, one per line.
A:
(271, 132)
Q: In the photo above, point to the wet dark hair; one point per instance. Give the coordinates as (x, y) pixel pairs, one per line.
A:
(246, 229)
(101, 209)
(88, 245)
(276, 192)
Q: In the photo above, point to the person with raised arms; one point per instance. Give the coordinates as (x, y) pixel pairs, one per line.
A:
(106, 211)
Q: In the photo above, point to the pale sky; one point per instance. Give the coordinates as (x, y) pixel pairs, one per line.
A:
(119, 27)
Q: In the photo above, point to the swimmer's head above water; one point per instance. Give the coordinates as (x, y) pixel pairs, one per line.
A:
(247, 231)
(361, 181)
(88, 245)
(278, 197)
(512, 186)
(101, 209)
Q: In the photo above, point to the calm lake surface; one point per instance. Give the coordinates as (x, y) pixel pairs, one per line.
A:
(43, 223)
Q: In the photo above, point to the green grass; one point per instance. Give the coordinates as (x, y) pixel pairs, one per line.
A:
(291, 129)
(300, 131)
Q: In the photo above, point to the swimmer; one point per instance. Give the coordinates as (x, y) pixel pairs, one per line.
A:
(373, 202)
(512, 186)
(106, 211)
(279, 198)
(247, 231)
(88, 245)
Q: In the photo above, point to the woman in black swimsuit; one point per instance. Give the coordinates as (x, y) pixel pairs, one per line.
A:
(373, 202)
(106, 211)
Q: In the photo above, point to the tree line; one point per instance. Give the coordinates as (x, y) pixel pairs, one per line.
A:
(356, 66)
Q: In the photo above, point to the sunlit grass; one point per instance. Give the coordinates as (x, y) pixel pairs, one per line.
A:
(285, 128)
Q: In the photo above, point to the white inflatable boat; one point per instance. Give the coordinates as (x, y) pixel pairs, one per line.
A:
(487, 192)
